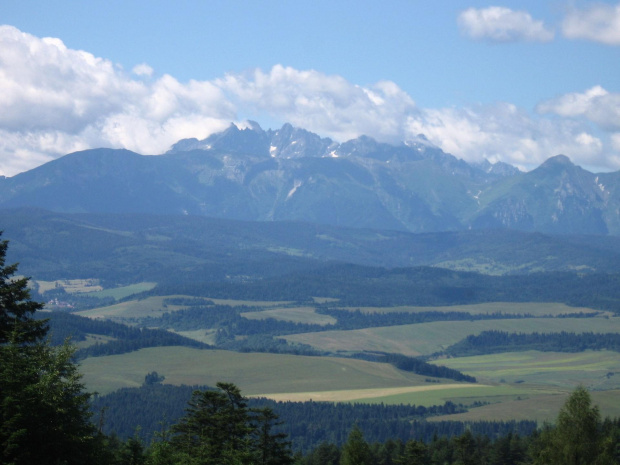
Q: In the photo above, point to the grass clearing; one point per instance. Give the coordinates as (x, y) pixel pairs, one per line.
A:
(92, 339)
(71, 286)
(305, 315)
(202, 335)
(130, 310)
(125, 291)
(429, 338)
(254, 373)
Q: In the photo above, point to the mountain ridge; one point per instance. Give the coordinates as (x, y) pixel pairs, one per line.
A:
(291, 174)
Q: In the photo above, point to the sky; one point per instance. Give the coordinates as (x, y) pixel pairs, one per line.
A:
(516, 81)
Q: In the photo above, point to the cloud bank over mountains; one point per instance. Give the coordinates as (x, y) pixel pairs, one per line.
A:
(55, 100)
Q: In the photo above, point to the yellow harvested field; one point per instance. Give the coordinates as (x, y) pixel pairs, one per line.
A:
(351, 395)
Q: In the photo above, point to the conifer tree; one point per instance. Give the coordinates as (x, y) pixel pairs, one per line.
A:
(44, 416)
(356, 450)
(16, 308)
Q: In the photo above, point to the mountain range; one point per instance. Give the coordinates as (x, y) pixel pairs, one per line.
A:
(291, 174)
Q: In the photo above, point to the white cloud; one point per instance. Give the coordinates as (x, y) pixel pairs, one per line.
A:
(329, 105)
(596, 104)
(502, 132)
(142, 70)
(54, 100)
(500, 24)
(599, 23)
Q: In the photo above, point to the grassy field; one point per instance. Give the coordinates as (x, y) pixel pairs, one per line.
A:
(125, 311)
(466, 394)
(593, 369)
(428, 338)
(254, 373)
(540, 408)
(294, 314)
(125, 291)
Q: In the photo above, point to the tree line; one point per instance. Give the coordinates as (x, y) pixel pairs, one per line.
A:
(491, 342)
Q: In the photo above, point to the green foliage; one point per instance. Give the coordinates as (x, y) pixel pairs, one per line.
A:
(416, 453)
(16, 308)
(219, 428)
(492, 342)
(44, 415)
(356, 450)
(126, 339)
(577, 438)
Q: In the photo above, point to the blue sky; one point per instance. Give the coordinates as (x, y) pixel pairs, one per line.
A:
(512, 81)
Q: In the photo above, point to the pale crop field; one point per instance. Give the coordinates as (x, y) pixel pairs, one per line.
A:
(415, 395)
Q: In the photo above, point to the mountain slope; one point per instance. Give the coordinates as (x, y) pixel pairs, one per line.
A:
(292, 174)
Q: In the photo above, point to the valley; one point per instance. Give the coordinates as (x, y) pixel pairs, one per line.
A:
(463, 316)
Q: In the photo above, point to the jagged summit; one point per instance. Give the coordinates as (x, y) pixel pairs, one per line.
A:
(291, 174)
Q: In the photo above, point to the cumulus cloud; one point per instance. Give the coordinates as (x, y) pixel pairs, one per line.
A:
(596, 104)
(54, 100)
(598, 23)
(503, 132)
(326, 104)
(142, 70)
(501, 24)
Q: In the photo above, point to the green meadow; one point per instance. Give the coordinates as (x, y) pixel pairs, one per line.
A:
(130, 310)
(542, 408)
(306, 315)
(593, 369)
(254, 373)
(124, 291)
(429, 338)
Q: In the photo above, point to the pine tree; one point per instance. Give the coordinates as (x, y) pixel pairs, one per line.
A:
(16, 308)
(44, 416)
(356, 450)
(219, 428)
